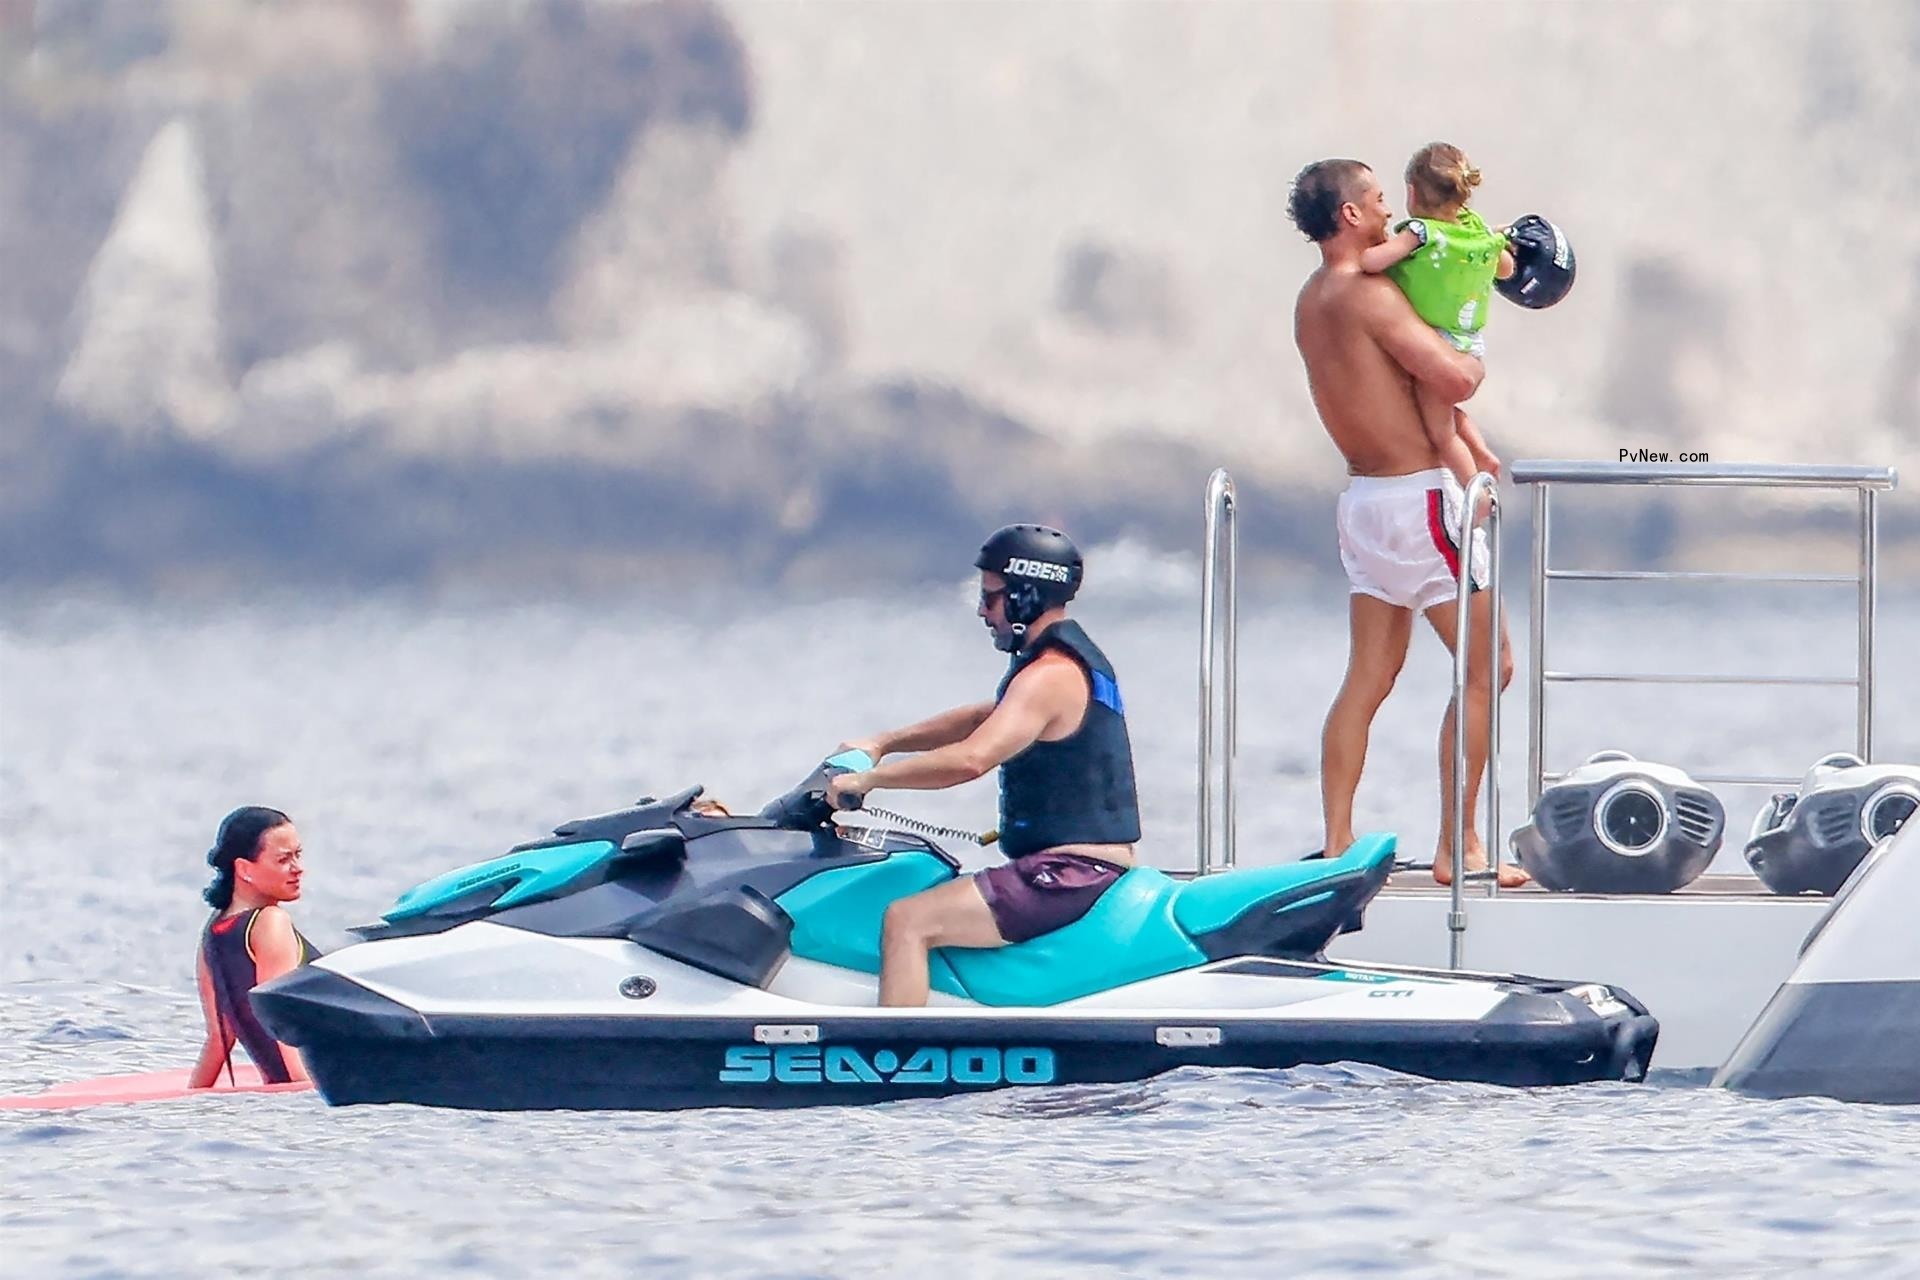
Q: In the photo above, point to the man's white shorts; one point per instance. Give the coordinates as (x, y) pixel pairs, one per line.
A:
(1400, 538)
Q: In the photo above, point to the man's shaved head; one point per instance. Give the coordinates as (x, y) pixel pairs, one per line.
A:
(1318, 192)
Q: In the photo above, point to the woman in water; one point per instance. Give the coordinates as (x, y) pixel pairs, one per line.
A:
(248, 941)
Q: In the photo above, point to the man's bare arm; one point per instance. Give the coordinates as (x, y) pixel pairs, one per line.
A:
(936, 731)
(1035, 699)
(1429, 359)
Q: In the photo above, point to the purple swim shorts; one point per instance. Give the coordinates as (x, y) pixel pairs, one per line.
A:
(1041, 892)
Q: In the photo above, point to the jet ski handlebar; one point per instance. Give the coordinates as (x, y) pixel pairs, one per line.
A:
(805, 807)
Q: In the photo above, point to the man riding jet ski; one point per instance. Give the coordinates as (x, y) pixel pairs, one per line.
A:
(668, 955)
(1057, 731)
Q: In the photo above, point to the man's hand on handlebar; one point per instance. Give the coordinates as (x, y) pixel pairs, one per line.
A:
(847, 790)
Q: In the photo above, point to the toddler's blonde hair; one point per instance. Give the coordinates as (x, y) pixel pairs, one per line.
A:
(1440, 175)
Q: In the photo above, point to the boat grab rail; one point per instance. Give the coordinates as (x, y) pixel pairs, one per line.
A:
(1480, 486)
(1219, 641)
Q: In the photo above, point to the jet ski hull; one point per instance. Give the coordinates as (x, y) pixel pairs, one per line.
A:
(364, 1047)
(653, 958)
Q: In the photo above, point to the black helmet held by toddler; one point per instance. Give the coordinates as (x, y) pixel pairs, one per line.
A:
(1543, 265)
(1041, 566)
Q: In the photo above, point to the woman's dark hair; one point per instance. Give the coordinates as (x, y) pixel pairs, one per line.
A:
(238, 837)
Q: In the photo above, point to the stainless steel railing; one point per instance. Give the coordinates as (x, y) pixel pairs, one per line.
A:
(1868, 482)
(1219, 641)
(1218, 628)
(1481, 485)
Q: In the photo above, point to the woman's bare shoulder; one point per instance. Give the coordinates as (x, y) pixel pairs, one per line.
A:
(272, 920)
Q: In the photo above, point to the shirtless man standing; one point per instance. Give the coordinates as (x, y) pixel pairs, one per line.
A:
(1400, 518)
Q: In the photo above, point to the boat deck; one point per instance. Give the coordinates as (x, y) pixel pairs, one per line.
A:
(1419, 880)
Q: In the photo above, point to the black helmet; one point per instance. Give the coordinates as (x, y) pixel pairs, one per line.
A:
(1542, 264)
(1042, 568)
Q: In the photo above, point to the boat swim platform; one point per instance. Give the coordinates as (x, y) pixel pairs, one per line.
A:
(1420, 880)
(1704, 959)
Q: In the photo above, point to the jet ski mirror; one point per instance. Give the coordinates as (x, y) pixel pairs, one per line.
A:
(805, 807)
(654, 842)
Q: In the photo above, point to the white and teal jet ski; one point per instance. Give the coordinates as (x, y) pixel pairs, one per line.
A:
(660, 958)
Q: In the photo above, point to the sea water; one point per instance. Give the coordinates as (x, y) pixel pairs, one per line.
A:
(407, 736)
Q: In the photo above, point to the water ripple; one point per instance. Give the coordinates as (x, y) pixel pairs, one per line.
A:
(398, 761)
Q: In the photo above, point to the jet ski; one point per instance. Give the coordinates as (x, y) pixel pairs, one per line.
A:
(660, 957)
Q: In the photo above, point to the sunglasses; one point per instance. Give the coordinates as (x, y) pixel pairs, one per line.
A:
(988, 596)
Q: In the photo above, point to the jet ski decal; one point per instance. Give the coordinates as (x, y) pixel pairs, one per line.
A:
(844, 1064)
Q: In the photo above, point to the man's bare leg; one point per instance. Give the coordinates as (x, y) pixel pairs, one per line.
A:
(950, 915)
(1443, 616)
(1380, 632)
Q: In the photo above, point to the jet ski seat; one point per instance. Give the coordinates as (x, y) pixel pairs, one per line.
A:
(1214, 902)
(1149, 924)
(1129, 934)
(1146, 925)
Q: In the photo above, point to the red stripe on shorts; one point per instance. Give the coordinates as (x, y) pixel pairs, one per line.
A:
(1437, 526)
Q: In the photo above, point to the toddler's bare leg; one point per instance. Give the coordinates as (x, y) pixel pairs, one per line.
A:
(1436, 413)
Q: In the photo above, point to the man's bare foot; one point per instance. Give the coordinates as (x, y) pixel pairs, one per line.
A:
(1336, 845)
(1512, 875)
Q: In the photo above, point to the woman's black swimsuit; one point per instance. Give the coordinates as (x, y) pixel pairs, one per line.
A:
(227, 946)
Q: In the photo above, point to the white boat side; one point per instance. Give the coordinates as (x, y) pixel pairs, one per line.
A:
(1704, 963)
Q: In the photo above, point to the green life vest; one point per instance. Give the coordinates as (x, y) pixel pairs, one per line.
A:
(1450, 278)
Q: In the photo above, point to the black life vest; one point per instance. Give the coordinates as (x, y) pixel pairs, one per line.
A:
(1079, 790)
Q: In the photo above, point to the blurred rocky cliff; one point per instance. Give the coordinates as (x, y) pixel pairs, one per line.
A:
(579, 290)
